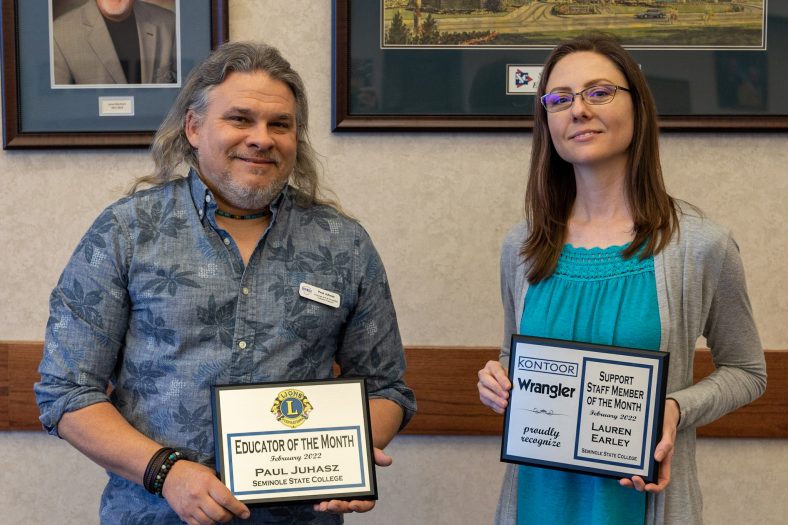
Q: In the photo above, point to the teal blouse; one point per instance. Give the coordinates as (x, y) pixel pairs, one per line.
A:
(594, 296)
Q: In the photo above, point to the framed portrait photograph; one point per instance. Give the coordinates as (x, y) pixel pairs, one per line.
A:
(99, 73)
(476, 64)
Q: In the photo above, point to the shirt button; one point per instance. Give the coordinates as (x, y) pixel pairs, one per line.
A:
(207, 198)
(227, 241)
(242, 345)
(245, 290)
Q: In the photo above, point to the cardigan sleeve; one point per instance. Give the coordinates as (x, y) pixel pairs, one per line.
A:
(512, 284)
(740, 368)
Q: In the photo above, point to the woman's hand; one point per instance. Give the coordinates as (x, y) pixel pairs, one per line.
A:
(663, 453)
(494, 386)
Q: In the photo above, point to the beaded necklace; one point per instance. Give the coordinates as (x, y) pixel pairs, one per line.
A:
(265, 213)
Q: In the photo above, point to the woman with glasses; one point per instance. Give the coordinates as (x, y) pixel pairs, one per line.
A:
(607, 256)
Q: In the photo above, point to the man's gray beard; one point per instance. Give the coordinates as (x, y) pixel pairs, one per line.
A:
(250, 198)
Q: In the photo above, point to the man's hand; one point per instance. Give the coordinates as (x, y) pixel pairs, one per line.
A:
(663, 453)
(199, 497)
(341, 506)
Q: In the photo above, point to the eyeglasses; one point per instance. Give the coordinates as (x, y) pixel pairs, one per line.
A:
(594, 95)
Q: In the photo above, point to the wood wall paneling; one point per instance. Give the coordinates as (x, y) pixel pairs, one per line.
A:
(18, 372)
(444, 379)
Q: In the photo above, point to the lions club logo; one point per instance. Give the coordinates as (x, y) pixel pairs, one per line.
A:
(291, 407)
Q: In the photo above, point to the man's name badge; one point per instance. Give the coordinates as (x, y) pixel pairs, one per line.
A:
(295, 441)
(309, 291)
(584, 408)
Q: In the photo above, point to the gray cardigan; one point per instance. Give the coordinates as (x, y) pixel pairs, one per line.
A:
(700, 291)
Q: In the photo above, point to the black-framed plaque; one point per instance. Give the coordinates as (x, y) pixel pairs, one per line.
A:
(456, 65)
(46, 108)
(295, 441)
(585, 408)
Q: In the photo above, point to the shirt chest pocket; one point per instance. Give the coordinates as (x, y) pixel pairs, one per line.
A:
(315, 306)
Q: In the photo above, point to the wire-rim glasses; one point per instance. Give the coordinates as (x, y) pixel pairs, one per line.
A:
(594, 95)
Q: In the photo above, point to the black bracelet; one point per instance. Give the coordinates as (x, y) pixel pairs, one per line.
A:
(169, 461)
(153, 466)
(158, 468)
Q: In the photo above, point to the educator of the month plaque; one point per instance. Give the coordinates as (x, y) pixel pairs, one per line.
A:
(585, 408)
(294, 441)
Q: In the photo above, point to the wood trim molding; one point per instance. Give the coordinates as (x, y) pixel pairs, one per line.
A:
(444, 379)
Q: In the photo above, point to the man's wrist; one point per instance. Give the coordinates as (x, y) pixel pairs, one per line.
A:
(158, 468)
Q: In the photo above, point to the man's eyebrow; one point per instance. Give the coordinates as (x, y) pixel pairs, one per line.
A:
(238, 109)
(285, 116)
(246, 111)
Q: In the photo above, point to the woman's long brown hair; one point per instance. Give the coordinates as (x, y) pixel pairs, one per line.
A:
(551, 189)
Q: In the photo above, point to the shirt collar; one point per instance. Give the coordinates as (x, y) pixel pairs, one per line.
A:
(201, 195)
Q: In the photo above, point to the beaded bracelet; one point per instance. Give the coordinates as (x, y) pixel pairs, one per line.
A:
(153, 465)
(158, 467)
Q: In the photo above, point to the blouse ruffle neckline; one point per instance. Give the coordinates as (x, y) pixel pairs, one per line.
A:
(593, 264)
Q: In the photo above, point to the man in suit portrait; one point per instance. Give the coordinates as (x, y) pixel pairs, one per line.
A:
(115, 42)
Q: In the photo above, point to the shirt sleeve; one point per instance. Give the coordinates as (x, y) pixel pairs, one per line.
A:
(371, 346)
(740, 367)
(88, 318)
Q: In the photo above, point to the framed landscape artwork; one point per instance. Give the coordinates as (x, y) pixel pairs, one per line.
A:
(475, 64)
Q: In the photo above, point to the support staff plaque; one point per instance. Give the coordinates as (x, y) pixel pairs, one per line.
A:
(288, 442)
(586, 408)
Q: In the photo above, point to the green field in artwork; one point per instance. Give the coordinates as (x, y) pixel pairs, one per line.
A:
(542, 23)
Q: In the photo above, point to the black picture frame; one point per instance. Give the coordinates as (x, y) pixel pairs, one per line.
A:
(575, 407)
(447, 89)
(73, 120)
(268, 418)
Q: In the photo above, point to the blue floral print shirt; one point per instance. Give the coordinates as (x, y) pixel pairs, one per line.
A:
(156, 302)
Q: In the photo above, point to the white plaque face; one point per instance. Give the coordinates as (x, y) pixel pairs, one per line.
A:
(294, 442)
(586, 408)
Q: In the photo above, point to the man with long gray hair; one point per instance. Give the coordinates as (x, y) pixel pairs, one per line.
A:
(197, 280)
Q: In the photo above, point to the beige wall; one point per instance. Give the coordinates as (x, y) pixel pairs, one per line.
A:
(437, 206)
